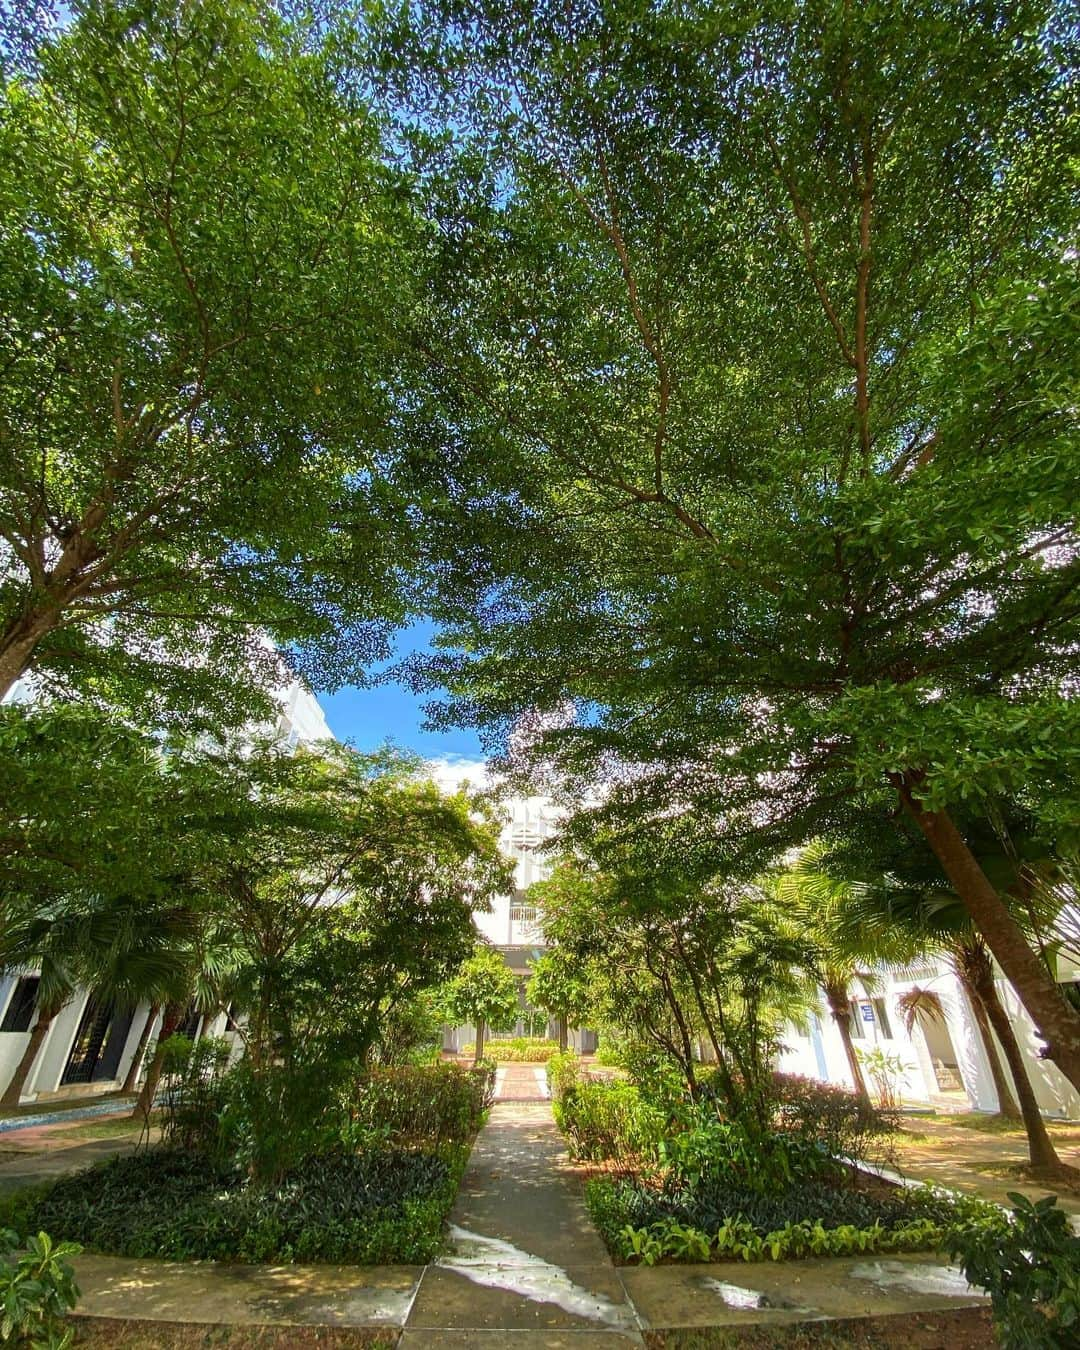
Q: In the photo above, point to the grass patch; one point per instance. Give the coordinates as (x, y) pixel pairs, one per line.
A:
(105, 1129)
(959, 1329)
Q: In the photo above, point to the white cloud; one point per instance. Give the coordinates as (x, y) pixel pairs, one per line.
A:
(450, 771)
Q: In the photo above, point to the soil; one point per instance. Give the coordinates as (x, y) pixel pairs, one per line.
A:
(964, 1329)
(117, 1333)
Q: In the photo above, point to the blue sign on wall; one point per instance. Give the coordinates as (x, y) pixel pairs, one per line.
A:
(867, 1012)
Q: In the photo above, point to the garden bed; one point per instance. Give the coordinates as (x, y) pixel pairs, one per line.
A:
(368, 1209)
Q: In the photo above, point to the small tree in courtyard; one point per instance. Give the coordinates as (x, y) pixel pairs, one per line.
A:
(485, 993)
(558, 986)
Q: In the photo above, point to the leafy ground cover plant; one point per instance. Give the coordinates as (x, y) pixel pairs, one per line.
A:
(385, 1206)
(37, 1290)
(809, 1220)
(1031, 1270)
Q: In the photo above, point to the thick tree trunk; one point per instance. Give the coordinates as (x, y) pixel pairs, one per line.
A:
(840, 1008)
(14, 1090)
(480, 1029)
(1006, 1101)
(563, 1034)
(140, 1050)
(1040, 1146)
(169, 1022)
(1057, 1022)
(17, 645)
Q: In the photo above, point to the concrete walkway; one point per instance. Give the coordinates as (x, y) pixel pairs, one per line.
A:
(524, 1266)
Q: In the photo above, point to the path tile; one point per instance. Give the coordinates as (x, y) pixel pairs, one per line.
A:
(726, 1293)
(203, 1291)
(478, 1339)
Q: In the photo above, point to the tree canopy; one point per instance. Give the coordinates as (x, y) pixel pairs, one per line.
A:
(204, 261)
(760, 353)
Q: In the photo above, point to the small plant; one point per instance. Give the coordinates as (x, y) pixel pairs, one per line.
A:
(885, 1070)
(1031, 1270)
(37, 1290)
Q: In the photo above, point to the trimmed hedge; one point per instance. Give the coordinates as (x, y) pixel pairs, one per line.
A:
(420, 1105)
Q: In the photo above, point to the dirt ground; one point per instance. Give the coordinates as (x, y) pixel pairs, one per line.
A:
(108, 1333)
(965, 1329)
(980, 1155)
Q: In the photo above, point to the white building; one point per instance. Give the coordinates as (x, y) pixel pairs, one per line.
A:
(943, 1061)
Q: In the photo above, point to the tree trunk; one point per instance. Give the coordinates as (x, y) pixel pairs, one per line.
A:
(479, 1040)
(1041, 1149)
(169, 1022)
(840, 1007)
(14, 1090)
(563, 1034)
(1006, 1101)
(1057, 1022)
(140, 1050)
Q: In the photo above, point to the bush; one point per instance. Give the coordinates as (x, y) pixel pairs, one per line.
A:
(421, 1104)
(563, 1071)
(37, 1290)
(833, 1117)
(517, 1050)
(380, 1207)
(1031, 1270)
(609, 1120)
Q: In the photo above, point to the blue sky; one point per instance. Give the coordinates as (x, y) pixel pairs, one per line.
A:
(368, 717)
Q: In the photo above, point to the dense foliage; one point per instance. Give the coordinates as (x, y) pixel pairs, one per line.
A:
(37, 1290)
(413, 1105)
(759, 386)
(369, 1208)
(204, 255)
(1031, 1270)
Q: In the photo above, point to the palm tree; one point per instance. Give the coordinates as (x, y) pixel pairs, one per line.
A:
(937, 921)
(818, 899)
(125, 948)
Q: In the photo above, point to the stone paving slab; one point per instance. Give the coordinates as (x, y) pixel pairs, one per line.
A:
(206, 1292)
(522, 1297)
(58, 1162)
(727, 1293)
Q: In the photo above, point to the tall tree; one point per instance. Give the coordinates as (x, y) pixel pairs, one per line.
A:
(760, 399)
(202, 263)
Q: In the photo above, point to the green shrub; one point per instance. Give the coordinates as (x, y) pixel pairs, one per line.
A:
(421, 1104)
(1031, 1270)
(563, 1070)
(380, 1207)
(833, 1118)
(37, 1290)
(517, 1050)
(609, 1120)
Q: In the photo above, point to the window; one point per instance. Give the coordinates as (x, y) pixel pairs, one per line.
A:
(858, 1031)
(20, 1008)
(882, 1015)
(522, 913)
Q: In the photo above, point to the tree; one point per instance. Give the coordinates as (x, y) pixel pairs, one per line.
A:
(125, 948)
(911, 899)
(484, 992)
(557, 986)
(201, 258)
(760, 361)
(672, 959)
(819, 901)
